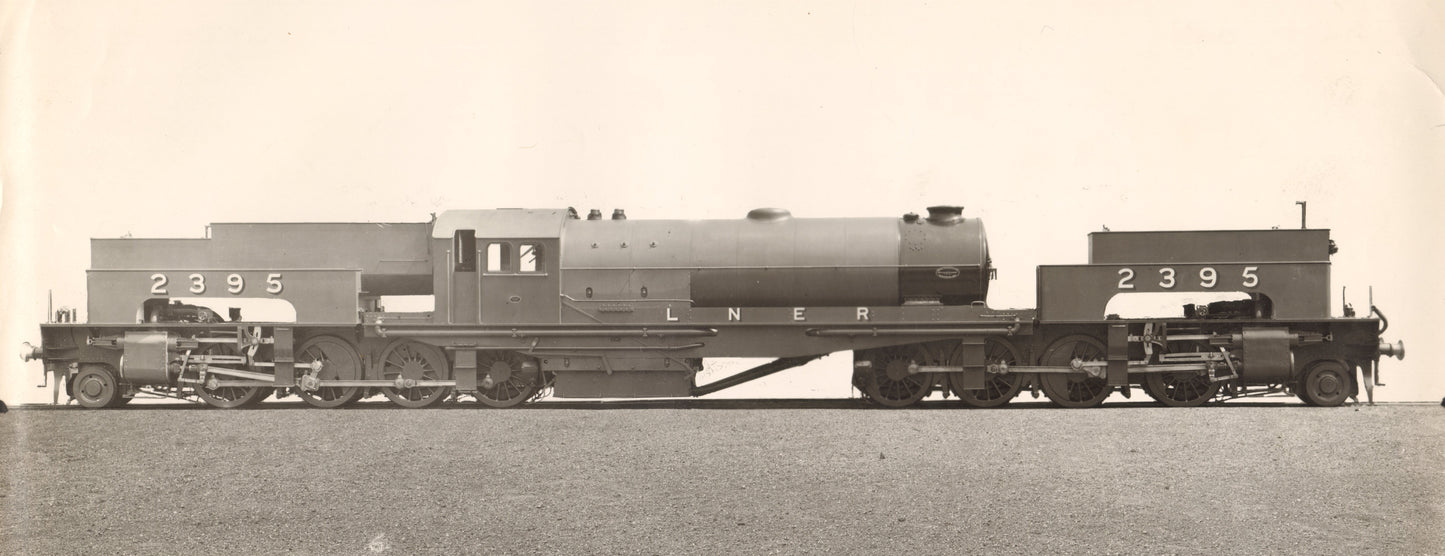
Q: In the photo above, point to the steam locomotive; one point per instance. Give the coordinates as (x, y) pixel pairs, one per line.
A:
(528, 303)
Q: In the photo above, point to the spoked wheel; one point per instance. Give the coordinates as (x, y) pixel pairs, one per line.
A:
(1186, 389)
(1326, 384)
(339, 361)
(998, 389)
(95, 387)
(228, 397)
(413, 360)
(1074, 389)
(514, 378)
(888, 383)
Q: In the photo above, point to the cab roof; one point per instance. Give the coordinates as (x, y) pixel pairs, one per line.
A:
(501, 223)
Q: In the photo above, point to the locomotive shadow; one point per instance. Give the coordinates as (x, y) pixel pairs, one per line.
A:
(855, 404)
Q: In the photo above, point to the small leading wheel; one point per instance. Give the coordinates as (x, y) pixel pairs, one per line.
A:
(339, 361)
(1075, 389)
(998, 389)
(95, 386)
(1326, 384)
(888, 382)
(1186, 389)
(413, 360)
(228, 397)
(514, 378)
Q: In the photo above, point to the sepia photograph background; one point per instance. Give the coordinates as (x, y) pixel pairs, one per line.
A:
(1048, 121)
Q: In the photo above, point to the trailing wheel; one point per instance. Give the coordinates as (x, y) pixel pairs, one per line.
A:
(888, 381)
(1326, 384)
(507, 378)
(410, 360)
(1076, 389)
(1185, 389)
(228, 397)
(339, 361)
(998, 389)
(95, 386)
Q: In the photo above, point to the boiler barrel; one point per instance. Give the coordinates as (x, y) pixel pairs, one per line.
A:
(772, 259)
(797, 262)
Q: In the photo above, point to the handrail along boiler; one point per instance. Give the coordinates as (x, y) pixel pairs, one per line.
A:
(531, 302)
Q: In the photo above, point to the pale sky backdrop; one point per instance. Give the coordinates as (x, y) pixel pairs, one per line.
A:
(1048, 120)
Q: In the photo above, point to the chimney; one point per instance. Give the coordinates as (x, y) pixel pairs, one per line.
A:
(945, 215)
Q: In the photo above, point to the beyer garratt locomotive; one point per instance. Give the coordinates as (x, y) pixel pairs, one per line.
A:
(534, 302)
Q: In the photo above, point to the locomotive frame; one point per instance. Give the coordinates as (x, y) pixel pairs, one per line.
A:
(531, 302)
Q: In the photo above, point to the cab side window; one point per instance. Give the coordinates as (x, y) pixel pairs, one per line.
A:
(530, 258)
(499, 257)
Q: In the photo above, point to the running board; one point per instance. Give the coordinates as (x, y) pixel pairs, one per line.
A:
(752, 374)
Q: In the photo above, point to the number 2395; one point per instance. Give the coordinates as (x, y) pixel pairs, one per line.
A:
(235, 284)
(1208, 277)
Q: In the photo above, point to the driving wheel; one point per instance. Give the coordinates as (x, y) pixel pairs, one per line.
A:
(888, 382)
(1183, 389)
(1074, 389)
(410, 360)
(514, 378)
(998, 389)
(339, 361)
(228, 397)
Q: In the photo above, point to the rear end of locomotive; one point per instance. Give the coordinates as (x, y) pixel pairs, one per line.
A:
(1264, 327)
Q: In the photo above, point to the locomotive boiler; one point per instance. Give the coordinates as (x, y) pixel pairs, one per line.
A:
(531, 302)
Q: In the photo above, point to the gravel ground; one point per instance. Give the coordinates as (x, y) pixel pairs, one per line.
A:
(748, 477)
